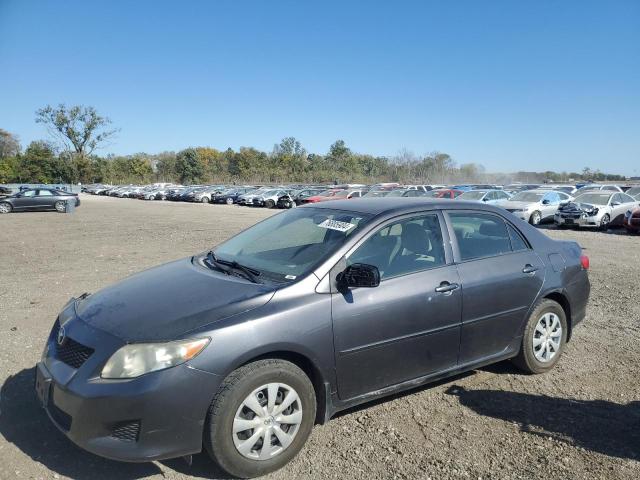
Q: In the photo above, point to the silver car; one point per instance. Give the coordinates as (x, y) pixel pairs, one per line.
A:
(595, 209)
(487, 196)
(535, 206)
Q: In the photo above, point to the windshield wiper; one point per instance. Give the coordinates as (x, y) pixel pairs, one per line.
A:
(250, 273)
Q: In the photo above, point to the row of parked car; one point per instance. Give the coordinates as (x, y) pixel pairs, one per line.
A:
(582, 205)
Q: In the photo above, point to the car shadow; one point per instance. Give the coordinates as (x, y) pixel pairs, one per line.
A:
(25, 424)
(601, 426)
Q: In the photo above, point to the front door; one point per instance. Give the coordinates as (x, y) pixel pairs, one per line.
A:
(404, 328)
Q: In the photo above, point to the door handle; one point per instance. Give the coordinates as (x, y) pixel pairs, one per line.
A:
(446, 287)
(528, 268)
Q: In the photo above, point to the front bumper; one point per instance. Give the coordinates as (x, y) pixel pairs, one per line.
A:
(156, 416)
(581, 221)
(631, 223)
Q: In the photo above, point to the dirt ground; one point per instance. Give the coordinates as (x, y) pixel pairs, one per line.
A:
(582, 420)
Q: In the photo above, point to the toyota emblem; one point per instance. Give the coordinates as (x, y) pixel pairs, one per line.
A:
(62, 336)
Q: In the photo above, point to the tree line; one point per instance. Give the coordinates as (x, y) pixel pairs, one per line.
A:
(79, 131)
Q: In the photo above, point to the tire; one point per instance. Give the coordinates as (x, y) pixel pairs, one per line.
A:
(229, 201)
(605, 221)
(229, 404)
(60, 206)
(292, 204)
(5, 207)
(529, 358)
(535, 218)
(269, 204)
(205, 200)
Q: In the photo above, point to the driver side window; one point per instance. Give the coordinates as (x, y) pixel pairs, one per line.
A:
(403, 247)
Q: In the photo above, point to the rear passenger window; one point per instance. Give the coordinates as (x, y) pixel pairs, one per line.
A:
(517, 242)
(480, 235)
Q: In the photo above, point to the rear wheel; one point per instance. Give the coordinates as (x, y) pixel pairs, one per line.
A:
(60, 206)
(269, 204)
(544, 338)
(5, 207)
(260, 418)
(205, 200)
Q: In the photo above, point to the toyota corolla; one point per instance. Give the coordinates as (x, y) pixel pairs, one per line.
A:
(240, 350)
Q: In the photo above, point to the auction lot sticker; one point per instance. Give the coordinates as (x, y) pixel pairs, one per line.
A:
(336, 225)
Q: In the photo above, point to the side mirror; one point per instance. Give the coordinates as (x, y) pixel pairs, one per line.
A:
(359, 275)
(485, 199)
(546, 202)
(615, 204)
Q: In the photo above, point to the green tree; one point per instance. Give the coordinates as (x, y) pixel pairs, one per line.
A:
(39, 164)
(188, 168)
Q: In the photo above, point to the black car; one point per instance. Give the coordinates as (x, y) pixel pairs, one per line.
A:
(38, 199)
(240, 350)
(5, 191)
(231, 196)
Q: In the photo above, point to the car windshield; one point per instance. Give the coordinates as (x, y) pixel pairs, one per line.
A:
(396, 193)
(594, 198)
(328, 193)
(527, 197)
(472, 195)
(290, 244)
(342, 193)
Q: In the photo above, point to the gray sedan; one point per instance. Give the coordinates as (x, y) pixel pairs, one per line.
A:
(535, 206)
(38, 199)
(239, 351)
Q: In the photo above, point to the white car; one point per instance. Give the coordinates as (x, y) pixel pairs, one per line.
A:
(267, 199)
(486, 196)
(535, 206)
(595, 209)
(595, 186)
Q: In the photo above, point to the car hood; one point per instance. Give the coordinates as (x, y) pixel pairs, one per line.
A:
(515, 204)
(167, 301)
(575, 207)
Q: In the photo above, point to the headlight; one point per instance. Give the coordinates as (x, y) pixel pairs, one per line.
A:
(137, 359)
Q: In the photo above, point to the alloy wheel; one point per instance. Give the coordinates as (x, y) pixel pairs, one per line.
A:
(5, 207)
(547, 337)
(267, 421)
(535, 218)
(60, 207)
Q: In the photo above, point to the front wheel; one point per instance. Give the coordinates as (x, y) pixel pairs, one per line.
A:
(5, 207)
(260, 418)
(229, 201)
(205, 200)
(535, 218)
(545, 335)
(60, 207)
(269, 204)
(605, 221)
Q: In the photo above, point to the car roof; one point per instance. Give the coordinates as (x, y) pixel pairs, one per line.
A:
(398, 205)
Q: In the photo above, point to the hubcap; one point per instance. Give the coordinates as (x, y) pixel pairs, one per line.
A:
(267, 421)
(60, 206)
(547, 337)
(4, 208)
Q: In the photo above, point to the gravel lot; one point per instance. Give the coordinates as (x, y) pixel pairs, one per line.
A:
(582, 420)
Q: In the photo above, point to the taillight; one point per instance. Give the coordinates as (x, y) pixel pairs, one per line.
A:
(584, 261)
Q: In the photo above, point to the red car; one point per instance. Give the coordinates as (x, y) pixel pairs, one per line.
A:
(631, 220)
(324, 196)
(444, 193)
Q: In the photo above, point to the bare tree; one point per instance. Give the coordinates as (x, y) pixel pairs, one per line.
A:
(79, 128)
(9, 144)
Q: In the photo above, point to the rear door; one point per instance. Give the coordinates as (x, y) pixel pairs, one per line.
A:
(501, 276)
(45, 199)
(404, 328)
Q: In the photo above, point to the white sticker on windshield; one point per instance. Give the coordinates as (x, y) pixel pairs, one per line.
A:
(290, 277)
(336, 225)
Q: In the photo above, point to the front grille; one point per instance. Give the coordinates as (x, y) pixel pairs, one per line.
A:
(126, 431)
(70, 352)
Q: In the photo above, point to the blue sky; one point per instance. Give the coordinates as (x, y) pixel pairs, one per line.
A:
(512, 85)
